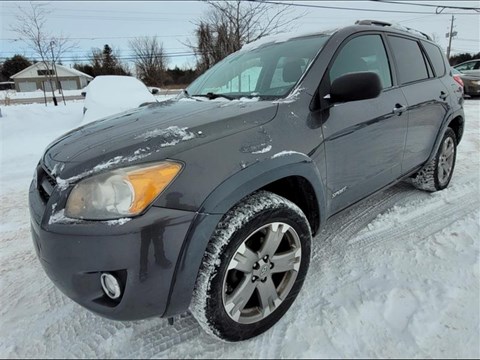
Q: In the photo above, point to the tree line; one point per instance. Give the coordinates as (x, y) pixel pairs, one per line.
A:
(460, 58)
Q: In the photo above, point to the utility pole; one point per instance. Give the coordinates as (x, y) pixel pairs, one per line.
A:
(450, 35)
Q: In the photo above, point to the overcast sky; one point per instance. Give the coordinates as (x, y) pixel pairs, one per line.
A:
(95, 23)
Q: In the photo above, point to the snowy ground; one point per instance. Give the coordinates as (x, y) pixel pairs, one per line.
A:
(395, 276)
(12, 94)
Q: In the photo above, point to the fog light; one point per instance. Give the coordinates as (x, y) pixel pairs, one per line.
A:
(110, 286)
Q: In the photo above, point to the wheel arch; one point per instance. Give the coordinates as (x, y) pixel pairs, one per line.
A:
(456, 122)
(457, 125)
(281, 175)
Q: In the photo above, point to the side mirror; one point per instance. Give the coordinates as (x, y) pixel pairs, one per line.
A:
(355, 86)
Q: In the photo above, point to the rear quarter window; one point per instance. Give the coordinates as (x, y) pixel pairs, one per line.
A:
(436, 58)
(409, 59)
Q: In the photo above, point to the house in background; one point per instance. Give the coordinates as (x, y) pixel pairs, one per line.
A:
(34, 78)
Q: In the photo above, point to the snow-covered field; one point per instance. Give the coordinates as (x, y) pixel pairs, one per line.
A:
(394, 276)
(12, 94)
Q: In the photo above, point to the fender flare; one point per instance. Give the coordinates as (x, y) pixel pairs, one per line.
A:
(223, 198)
(448, 119)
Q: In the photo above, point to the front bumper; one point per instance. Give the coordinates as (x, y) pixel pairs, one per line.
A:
(141, 252)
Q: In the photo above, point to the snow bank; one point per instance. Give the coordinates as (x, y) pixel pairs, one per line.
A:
(12, 94)
(109, 95)
(25, 132)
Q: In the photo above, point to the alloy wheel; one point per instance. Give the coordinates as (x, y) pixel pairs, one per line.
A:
(261, 273)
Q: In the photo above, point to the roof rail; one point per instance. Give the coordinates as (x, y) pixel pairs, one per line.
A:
(394, 26)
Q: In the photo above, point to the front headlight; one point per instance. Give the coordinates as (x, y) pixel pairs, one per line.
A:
(120, 193)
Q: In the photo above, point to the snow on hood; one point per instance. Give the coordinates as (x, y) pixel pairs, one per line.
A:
(111, 94)
(152, 133)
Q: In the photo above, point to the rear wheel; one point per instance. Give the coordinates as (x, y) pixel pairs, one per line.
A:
(436, 175)
(254, 267)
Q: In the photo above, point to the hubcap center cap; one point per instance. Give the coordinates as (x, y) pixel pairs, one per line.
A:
(263, 269)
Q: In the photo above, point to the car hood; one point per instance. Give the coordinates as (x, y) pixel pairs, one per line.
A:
(150, 133)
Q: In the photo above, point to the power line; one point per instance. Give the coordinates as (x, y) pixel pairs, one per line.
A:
(418, 18)
(352, 9)
(110, 11)
(122, 57)
(109, 18)
(108, 37)
(32, 52)
(428, 5)
(472, 40)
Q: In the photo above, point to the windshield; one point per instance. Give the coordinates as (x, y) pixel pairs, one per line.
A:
(269, 71)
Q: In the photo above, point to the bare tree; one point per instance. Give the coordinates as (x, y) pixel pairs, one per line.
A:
(231, 24)
(150, 60)
(30, 27)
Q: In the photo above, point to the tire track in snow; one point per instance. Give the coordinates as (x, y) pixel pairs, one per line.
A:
(158, 339)
(440, 215)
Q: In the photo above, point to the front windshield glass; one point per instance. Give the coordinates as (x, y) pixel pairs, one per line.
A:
(269, 71)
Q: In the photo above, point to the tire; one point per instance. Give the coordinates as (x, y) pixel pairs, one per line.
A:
(436, 175)
(224, 302)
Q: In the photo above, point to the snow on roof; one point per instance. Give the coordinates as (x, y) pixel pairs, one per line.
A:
(282, 37)
(78, 72)
(40, 65)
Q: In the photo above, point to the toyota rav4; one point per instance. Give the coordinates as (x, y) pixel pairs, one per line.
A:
(210, 201)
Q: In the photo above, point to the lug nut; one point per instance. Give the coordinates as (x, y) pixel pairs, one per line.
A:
(271, 265)
(265, 257)
(254, 278)
(256, 266)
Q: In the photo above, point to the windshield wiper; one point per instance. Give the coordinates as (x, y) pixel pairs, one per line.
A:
(212, 96)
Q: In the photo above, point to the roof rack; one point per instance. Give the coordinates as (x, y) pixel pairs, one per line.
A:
(394, 26)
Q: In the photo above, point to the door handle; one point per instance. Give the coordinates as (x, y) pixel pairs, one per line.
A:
(443, 95)
(399, 109)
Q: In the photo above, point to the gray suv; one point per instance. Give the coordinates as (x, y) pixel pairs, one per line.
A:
(210, 201)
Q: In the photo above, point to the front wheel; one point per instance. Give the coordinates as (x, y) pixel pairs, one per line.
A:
(436, 175)
(253, 268)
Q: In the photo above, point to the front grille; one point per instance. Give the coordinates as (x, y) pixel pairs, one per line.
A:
(45, 183)
(51, 180)
(43, 194)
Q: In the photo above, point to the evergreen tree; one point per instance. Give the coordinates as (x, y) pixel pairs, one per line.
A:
(13, 65)
(106, 62)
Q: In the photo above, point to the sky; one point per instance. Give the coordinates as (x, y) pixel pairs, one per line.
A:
(91, 24)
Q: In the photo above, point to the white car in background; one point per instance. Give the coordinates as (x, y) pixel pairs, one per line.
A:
(471, 67)
(112, 94)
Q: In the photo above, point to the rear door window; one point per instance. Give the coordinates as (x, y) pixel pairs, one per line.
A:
(436, 58)
(409, 59)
